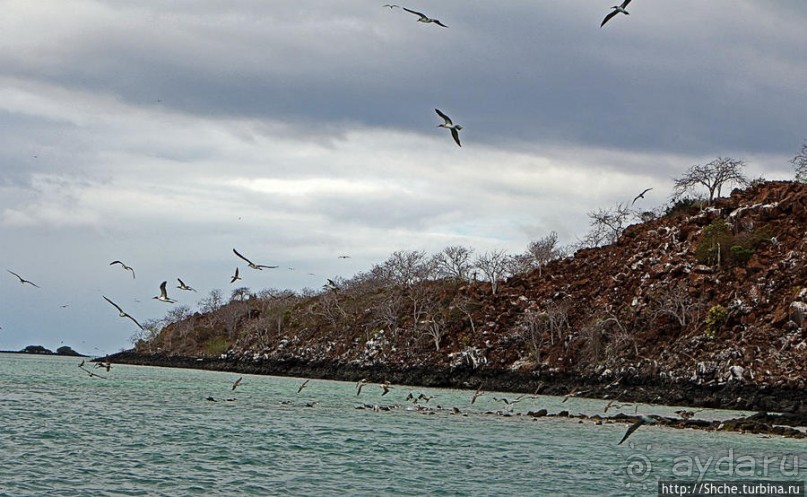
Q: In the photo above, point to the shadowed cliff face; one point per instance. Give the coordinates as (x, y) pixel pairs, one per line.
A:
(703, 296)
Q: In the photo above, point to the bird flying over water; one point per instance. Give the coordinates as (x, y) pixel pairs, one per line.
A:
(122, 314)
(428, 20)
(385, 386)
(163, 296)
(617, 10)
(252, 264)
(303, 385)
(635, 426)
(448, 124)
(22, 280)
(237, 382)
(124, 266)
(183, 286)
(359, 385)
(641, 195)
(476, 394)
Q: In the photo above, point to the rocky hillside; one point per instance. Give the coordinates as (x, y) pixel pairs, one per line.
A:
(691, 304)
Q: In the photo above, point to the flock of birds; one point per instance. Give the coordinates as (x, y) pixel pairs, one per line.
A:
(385, 387)
(162, 296)
(447, 122)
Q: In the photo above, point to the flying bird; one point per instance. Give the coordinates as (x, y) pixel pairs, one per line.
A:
(331, 285)
(477, 394)
(91, 373)
(22, 280)
(573, 393)
(122, 314)
(252, 264)
(343, 257)
(237, 382)
(359, 385)
(448, 124)
(635, 426)
(303, 385)
(426, 19)
(124, 266)
(386, 387)
(617, 10)
(235, 276)
(391, 6)
(183, 286)
(163, 296)
(641, 195)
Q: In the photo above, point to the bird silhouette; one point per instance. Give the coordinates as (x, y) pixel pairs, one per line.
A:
(22, 280)
(252, 264)
(183, 286)
(424, 18)
(635, 426)
(124, 266)
(163, 296)
(641, 195)
(617, 10)
(123, 314)
(449, 124)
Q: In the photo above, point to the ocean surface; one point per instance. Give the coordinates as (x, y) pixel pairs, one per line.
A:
(150, 431)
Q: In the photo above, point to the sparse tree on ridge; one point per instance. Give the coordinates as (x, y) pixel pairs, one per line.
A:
(607, 225)
(544, 250)
(713, 176)
(494, 266)
(454, 262)
(800, 164)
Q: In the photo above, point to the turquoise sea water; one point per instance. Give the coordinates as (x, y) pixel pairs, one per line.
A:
(150, 431)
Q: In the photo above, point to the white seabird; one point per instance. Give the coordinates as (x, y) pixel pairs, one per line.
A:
(252, 264)
(449, 124)
(124, 266)
(163, 296)
(183, 286)
(617, 10)
(123, 314)
(425, 18)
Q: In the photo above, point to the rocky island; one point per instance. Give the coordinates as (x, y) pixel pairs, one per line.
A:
(702, 305)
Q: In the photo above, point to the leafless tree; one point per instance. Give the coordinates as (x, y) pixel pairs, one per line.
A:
(520, 264)
(545, 250)
(607, 225)
(435, 327)
(467, 306)
(800, 164)
(454, 262)
(212, 302)
(240, 294)
(493, 265)
(407, 267)
(713, 176)
(674, 301)
(533, 322)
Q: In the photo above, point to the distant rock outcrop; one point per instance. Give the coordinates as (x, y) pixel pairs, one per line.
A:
(65, 350)
(36, 349)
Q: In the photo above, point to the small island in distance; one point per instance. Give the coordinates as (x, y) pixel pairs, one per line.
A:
(39, 349)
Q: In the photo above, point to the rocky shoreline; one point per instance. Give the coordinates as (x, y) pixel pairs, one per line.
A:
(792, 403)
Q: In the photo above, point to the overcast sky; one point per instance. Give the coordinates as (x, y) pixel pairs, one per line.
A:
(165, 133)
